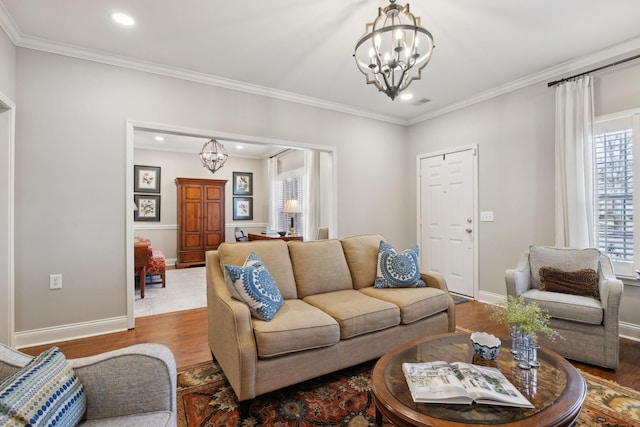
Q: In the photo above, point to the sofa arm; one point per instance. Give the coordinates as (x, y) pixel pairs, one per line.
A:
(436, 280)
(518, 279)
(610, 288)
(231, 337)
(133, 380)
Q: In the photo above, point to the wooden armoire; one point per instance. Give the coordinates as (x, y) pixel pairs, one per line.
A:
(200, 218)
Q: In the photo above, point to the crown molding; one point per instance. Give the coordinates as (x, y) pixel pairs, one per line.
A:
(36, 43)
(552, 73)
(9, 26)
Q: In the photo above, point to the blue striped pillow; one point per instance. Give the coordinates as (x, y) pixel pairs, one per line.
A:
(46, 392)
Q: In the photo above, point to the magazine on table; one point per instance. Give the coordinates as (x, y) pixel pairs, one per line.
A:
(461, 383)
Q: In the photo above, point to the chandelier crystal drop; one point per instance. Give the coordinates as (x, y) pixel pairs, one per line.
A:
(394, 49)
(213, 155)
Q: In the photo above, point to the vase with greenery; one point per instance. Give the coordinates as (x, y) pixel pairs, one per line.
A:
(526, 321)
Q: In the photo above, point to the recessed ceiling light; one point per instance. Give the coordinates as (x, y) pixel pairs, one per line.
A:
(239, 147)
(406, 96)
(159, 138)
(123, 19)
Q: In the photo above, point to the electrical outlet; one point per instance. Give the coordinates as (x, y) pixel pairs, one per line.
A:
(55, 281)
(486, 216)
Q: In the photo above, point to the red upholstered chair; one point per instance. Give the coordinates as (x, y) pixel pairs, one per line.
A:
(155, 266)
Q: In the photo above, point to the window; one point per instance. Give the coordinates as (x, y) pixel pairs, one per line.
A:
(615, 189)
(288, 184)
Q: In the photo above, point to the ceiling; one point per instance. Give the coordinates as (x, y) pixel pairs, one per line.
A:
(302, 50)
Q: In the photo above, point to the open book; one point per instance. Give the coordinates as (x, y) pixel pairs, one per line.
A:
(463, 383)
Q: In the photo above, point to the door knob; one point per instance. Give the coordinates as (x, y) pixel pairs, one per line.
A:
(468, 230)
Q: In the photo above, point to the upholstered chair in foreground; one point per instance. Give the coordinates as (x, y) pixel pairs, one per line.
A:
(578, 289)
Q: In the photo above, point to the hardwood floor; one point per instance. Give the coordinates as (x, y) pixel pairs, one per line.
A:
(185, 333)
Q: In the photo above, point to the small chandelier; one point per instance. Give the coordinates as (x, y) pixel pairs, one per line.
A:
(213, 155)
(394, 49)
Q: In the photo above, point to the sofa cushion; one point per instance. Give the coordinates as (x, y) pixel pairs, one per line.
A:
(253, 285)
(580, 282)
(568, 307)
(319, 266)
(414, 303)
(560, 258)
(155, 419)
(355, 312)
(273, 253)
(45, 392)
(398, 269)
(361, 253)
(297, 327)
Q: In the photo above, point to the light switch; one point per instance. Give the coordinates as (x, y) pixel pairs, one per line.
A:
(486, 216)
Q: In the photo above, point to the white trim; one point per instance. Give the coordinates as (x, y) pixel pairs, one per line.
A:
(474, 150)
(146, 227)
(9, 298)
(67, 332)
(132, 125)
(629, 331)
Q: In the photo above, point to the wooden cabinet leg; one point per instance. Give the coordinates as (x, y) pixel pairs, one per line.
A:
(143, 280)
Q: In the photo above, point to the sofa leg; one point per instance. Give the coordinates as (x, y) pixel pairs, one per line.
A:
(243, 407)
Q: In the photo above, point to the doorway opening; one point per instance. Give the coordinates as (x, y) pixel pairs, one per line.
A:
(190, 145)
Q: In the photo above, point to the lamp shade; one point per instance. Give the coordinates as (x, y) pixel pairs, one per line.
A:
(292, 206)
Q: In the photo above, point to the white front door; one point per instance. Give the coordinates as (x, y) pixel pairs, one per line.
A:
(447, 221)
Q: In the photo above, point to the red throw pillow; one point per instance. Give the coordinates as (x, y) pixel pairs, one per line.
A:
(580, 282)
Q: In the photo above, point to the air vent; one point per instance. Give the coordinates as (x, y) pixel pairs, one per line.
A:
(422, 101)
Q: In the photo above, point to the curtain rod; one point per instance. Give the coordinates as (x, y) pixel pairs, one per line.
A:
(613, 64)
(280, 153)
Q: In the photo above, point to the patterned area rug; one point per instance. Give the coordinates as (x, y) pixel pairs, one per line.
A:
(205, 399)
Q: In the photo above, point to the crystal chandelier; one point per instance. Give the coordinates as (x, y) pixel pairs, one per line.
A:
(213, 155)
(394, 49)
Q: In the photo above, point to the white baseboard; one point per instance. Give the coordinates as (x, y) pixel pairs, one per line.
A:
(627, 330)
(630, 331)
(70, 332)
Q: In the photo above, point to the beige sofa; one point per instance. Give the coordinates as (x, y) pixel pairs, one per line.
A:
(332, 316)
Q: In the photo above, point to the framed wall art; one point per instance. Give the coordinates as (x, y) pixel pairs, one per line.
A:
(242, 208)
(147, 207)
(146, 179)
(242, 183)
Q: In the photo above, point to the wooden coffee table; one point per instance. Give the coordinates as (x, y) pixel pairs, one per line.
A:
(556, 388)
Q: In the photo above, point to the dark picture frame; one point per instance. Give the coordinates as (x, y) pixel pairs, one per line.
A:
(242, 208)
(243, 183)
(146, 179)
(147, 207)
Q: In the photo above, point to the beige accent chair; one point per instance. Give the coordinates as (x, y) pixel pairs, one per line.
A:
(131, 386)
(589, 326)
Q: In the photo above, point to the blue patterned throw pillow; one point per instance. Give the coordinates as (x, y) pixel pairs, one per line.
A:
(46, 392)
(398, 270)
(253, 284)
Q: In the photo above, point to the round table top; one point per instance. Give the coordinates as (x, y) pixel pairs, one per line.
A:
(556, 388)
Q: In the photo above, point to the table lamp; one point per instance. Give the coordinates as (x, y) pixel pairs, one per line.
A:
(292, 207)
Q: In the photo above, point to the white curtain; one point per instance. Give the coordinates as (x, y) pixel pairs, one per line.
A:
(272, 172)
(311, 202)
(574, 164)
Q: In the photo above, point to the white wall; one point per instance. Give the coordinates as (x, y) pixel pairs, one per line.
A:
(163, 234)
(70, 167)
(515, 135)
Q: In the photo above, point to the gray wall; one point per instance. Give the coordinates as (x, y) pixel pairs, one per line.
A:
(515, 134)
(70, 167)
